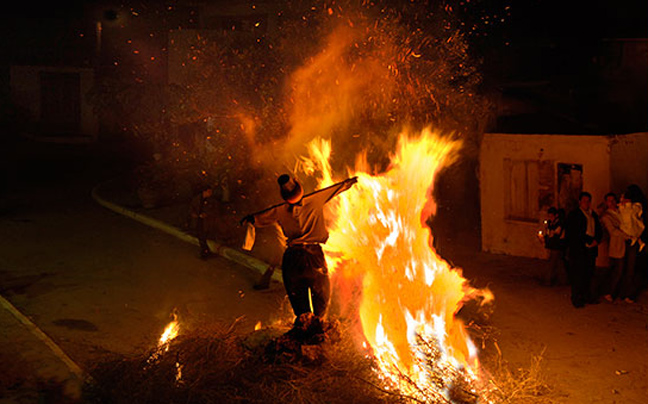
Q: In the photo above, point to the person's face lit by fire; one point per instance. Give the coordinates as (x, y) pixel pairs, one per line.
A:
(611, 202)
(585, 202)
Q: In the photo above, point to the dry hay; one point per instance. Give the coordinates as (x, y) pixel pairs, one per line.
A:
(219, 366)
(521, 385)
(313, 362)
(507, 384)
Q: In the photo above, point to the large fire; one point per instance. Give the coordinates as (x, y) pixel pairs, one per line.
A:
(410, 295)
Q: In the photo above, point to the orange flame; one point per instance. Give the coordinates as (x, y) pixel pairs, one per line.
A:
(409, 293)
(170, 332)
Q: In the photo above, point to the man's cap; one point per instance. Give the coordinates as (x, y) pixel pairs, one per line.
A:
(291, 190)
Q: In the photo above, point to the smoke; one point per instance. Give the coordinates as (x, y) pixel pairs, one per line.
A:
(370, 74)
(336, 89)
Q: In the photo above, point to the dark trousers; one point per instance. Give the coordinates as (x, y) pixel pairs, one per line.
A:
(557, 268)
(628, 282)
(641, 271)
(614, 276)
(581, 271)
(201, 227)
(305, 277)
(201, 233)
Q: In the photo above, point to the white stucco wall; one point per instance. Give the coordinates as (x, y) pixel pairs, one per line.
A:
(502, 235)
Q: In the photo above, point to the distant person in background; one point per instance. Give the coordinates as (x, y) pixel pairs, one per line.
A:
(198, 214)
(632, 207)
(562, 217)
(632, 224)
(555, 243)
(583, 236)
(615, 240)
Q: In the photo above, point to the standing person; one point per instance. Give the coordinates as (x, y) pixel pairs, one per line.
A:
(615, 239)
(201, 226)
(583, 235)
(301, 218)
(199, 212)
(633, 222)
(554, 241)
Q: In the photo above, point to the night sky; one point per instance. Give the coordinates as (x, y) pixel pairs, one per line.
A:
(526, 40)
(504, 22)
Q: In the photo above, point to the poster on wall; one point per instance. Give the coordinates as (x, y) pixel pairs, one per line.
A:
(570, 185)
(546, 185)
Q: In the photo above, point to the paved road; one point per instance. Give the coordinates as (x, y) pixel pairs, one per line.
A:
(97, 282)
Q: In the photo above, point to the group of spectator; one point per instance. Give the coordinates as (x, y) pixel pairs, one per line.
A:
(620, 227)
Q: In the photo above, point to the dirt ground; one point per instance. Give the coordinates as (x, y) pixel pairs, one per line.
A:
(590, 355)
(100, 284)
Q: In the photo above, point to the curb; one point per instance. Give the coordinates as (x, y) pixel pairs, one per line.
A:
(73, 381)
(215, 247)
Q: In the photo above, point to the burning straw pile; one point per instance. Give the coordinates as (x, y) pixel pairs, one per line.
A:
(209, 365)
(314, 362)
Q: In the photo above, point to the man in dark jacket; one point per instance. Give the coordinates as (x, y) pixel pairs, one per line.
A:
(584, 232)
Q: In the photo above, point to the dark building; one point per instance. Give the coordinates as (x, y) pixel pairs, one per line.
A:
(571, 67)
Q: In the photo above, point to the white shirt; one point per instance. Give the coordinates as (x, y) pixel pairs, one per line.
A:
(591, 225)
(302, 222)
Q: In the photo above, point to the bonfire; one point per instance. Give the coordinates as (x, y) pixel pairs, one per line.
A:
(409, 294)
(410, 345)
(398, 338)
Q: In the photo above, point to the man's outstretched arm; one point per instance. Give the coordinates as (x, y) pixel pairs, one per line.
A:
(331, 193)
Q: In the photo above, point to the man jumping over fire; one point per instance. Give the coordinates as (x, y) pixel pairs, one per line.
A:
(301, 218)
